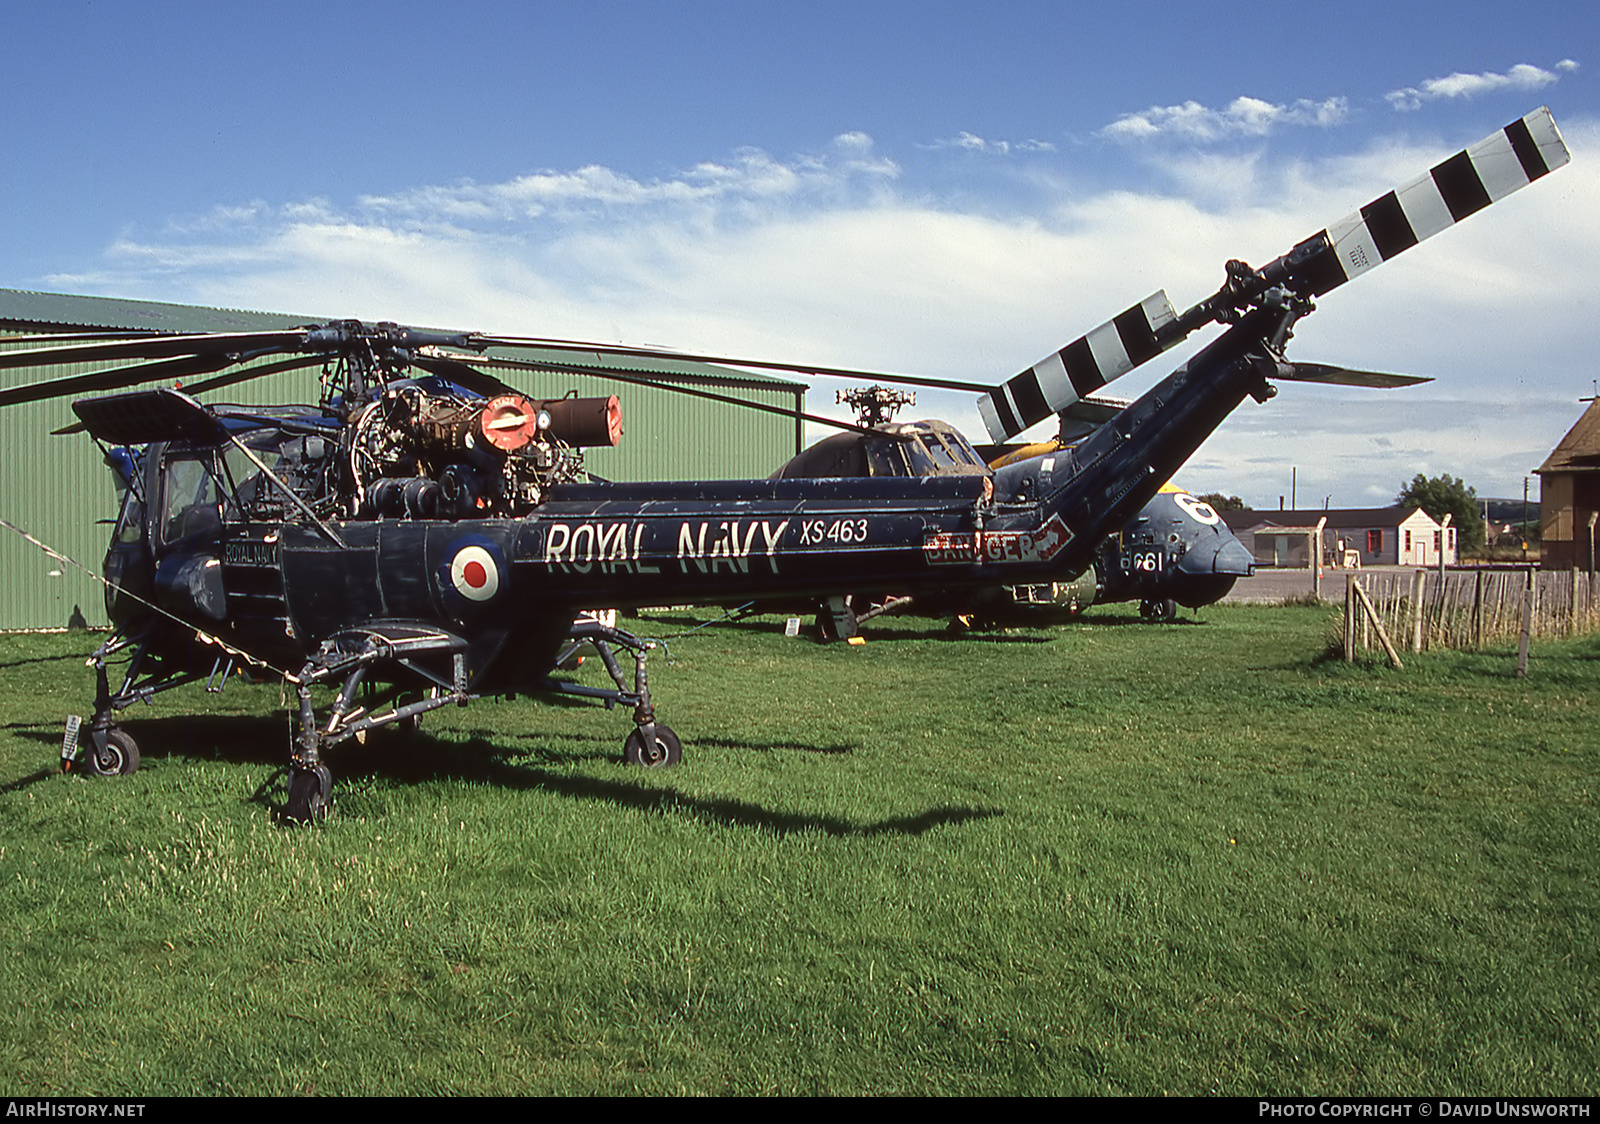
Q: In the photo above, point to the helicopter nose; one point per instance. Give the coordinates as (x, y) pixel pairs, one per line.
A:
(1220, 556)
(1233, 558)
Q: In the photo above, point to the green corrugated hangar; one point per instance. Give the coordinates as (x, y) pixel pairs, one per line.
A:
(58, 489)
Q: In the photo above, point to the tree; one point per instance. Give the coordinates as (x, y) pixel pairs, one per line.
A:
(1448, 495)
(1220, 502)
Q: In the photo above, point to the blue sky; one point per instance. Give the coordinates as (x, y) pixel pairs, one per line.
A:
(944, 189)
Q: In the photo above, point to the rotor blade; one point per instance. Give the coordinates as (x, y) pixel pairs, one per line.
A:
(246, 374)
(115, 378)
(1053, 384)
(1345, 376)
(1453, 189)
(728, 361)
(1488, 171)
(154, 347)
(653, 379)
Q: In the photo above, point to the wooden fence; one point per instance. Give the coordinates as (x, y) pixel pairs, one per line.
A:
(1421, 609)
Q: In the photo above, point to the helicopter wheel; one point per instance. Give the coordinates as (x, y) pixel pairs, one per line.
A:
(1165, 609)
(119, 757)
(309, 794)
(667, 752)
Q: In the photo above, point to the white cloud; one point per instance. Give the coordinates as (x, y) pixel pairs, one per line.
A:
(971, 142)
(1244, 116)
(1522, 77)
(751, 176)
(836, 258)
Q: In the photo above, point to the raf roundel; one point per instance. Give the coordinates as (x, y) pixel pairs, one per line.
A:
(474, 573)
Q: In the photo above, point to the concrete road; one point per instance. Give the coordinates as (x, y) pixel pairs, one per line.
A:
(1272, 586)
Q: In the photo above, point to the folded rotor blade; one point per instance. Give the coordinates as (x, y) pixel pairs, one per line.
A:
(247, 374)
(1469, 181)
(468, 378)
(1086, 364)
(162, 370)
(1487, 172)
(229, 379)
(729, 361)
(1345, 376)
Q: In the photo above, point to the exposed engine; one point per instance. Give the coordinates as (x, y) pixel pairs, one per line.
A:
(424, 451)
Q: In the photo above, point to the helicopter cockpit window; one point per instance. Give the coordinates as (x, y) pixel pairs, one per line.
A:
(191, 499)
(962, 450)
(937, 452)
(919, 462)
(887, 458)
(252, 495)
(130, 522)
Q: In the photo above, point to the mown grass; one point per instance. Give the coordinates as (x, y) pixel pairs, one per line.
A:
(1108, 858)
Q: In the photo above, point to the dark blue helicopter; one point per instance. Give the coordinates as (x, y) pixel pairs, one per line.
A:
(1176, 551)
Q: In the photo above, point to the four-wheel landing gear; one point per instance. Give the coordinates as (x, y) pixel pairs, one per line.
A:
(431, 656)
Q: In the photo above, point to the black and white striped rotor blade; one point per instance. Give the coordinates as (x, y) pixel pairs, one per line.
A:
(1081, 368)
(1469, 181)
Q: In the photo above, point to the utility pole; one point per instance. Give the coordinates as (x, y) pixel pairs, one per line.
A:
(1524, 519)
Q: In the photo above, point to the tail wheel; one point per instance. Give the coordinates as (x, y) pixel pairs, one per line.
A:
(665, 753)
(310, 794)
(118, 757)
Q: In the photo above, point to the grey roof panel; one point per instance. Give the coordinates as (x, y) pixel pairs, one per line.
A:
(22, 308)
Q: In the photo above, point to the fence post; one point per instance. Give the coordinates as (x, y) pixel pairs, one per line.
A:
(1349, 618)
(1477, 613)
(1572, 607)
(1527, 627)
(1419, 583)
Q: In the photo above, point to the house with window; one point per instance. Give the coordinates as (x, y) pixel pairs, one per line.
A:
(1367, 536)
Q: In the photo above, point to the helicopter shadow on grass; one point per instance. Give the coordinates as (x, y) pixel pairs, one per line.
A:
(485, 757)
(529, 763)
(73, 658)
(524, 762)
(725, 811)
(1020, 632)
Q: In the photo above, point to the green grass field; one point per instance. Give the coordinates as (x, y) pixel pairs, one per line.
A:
(1109, 858)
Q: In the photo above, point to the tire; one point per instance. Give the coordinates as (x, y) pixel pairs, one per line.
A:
(668, 750)
(309, 795)
(1165, 609)
(119, 757)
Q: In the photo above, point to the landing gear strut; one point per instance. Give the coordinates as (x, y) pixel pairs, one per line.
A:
(650, 744)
